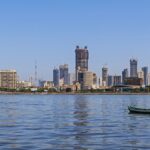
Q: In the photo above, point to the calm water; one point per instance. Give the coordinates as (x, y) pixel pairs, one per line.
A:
(72, 122)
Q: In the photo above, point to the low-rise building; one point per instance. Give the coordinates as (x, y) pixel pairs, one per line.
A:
(133, 81)
(46, 84)
(24, 84)
(85, 79)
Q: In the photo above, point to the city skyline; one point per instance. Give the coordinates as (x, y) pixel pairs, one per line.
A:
(47, 32)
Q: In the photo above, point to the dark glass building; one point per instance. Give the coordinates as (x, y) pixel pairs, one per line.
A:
(125, 74)
(64, 74)
(110, 80)
(145, 71)
(105, 75)
(56, 77)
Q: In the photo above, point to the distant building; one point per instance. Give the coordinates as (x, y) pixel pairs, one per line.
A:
(94, 81)
(133, 68)
(134, 81)
(81, 60)
(148, 79)
(71, 78)
(8, 78)
(141, 74)
(125, 74)
(110, 80)
(64, 74)
(24, 84)
(105, 75)
(100, 81)
(117, 80)
(45, 84)
(85, 79)
(56, 77)
(145, 71)
(61, 82)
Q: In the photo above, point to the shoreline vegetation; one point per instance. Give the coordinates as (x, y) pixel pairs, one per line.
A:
(43, 91)
(71, 93)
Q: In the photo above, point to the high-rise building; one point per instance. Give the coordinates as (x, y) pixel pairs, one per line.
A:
(110, 80)
(8, 78)
(64, 74)
(124, 75)
(133, 68)
(56, 77)
(117, 80)
(105, 75)
(81, 58)
(145, 71)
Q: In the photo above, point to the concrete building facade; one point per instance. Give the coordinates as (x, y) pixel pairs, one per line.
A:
(117, 80)
(133, 68)
(81, 60)
(64, 73)
(8, 78)
(105, 75)
(85, 79)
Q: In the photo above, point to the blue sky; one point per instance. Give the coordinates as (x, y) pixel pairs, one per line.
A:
(47, 31)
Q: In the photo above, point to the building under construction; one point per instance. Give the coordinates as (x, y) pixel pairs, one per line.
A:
(81, 57)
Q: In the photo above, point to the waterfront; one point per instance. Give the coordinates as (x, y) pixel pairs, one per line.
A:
(78, 122)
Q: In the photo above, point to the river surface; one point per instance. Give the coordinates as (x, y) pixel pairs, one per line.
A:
(79, 122)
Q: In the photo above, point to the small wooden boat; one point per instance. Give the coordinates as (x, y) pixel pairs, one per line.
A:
(133, 109)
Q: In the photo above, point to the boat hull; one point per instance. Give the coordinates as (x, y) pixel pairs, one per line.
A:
(138, 110)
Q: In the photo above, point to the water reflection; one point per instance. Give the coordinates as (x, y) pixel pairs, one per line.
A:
(73, 122)
(81, 122)
(8, 121)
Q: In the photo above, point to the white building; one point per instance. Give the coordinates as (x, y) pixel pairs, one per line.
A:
(141, 74)
(71, 78)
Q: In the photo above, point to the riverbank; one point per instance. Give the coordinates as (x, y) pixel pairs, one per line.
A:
(71, 93)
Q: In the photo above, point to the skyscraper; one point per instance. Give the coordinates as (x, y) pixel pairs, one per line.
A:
(105, 75)
(81, 57)
(133, 68)
(56, 77)
(124, 75)
(110, 80)
(63, 69)
(145, 71)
